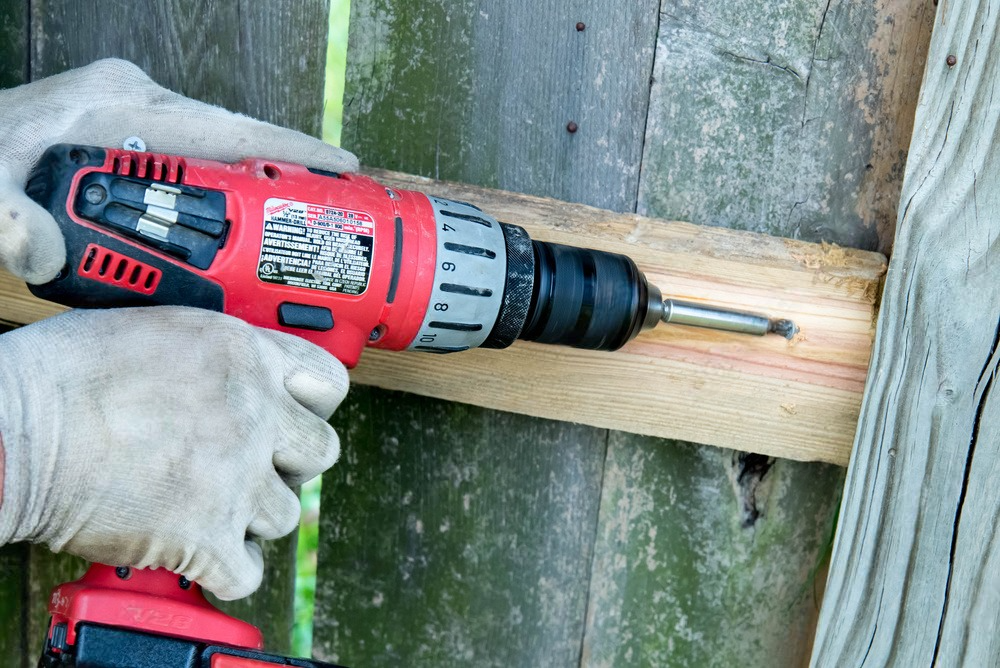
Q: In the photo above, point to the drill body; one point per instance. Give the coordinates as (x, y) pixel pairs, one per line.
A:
(337, 259)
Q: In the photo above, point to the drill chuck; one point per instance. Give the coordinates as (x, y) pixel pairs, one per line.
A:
(493, 284)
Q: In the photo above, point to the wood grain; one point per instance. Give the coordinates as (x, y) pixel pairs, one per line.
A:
(795, 399)
(914, 578)
(483, 91)
(789, 117)
(13, 42)
(456, 542)
(14, 640)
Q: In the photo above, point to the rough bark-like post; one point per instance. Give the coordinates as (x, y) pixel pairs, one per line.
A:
(914, 579)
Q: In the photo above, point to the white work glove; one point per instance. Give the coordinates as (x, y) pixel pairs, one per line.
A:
(102, 105)
(162, 436)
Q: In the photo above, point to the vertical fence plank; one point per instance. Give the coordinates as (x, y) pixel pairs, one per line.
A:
(263, 59)
(13, 42)
(914, 579)
(481, 92)
(14, 641)
(773, 118)
(455, 535)
(790, 118)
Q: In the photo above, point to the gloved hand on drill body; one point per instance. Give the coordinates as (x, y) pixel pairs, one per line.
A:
(161, 437)
(152, 436)
(102, 105)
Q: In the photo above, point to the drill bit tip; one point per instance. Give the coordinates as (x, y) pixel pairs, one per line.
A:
(785, 328)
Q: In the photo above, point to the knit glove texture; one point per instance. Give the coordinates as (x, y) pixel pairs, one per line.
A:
(104, 104)
(162, 437)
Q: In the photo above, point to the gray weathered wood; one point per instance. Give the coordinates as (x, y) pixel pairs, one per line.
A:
(914, 578)
(482, 92)
(735, 137)
(455, 535)
(263, 59)
(14, 642)
(707, 557)
(13, 42)
(788, 117)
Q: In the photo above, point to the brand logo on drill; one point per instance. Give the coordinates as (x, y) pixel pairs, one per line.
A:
(151, 617)
(59, 603)
(271, 210)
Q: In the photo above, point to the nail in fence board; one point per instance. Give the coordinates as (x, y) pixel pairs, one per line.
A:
(914, 577)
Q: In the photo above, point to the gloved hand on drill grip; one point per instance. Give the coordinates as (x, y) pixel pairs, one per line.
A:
(162, 436)
(102, 105)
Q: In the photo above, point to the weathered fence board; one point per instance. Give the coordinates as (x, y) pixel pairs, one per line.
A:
(482, 92)
(429, 92)
(266, 60)
(914, 578)
(13, 42)
(677, 581)
(14, 641)
(788, 117)
(455, 535)
(756, 120)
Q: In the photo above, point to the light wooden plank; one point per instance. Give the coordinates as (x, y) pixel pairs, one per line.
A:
(914, 578)
(796, 399)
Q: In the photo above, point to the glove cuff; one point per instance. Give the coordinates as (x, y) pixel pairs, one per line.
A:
(14, 501)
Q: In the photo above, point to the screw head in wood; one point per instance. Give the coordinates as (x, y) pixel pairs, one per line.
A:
(581, 26)
(951, 60)
(572, 127)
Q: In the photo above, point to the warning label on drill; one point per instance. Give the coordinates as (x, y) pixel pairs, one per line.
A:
(316, 246)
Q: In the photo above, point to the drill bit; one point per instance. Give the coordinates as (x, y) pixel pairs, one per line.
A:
(713, 317)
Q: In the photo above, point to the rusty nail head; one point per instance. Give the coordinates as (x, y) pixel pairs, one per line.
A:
(572, 127)
(581, 26)
(951, 60)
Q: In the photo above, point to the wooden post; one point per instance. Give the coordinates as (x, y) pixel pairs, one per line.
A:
(914, 579)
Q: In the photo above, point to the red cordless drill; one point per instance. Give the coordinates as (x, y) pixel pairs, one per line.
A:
(337, 259)
(128, 618)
